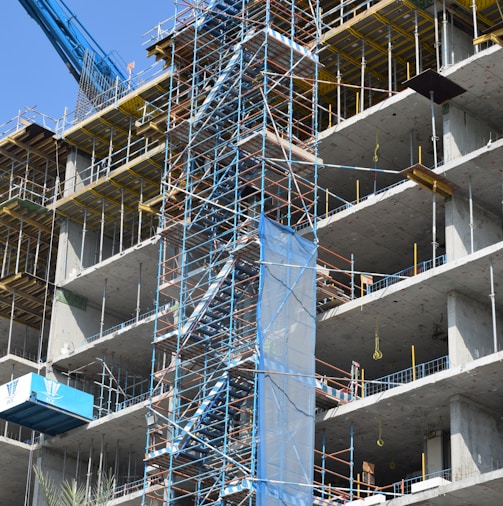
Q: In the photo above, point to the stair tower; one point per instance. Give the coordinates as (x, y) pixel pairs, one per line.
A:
(241, 148)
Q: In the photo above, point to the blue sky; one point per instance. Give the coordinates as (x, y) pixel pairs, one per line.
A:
(33, 74)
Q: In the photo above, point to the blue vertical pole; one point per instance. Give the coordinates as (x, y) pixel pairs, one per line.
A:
(351, 463)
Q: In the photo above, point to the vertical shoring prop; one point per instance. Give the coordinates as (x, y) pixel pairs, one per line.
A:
(317, 21)
(470, 203)
(390, 63)
(121, 229)
(323, 461)
(445, 45)
(339, 81)
(37, 251)
(19, 242)
(83, 240)
(492, 295)
(416, 44)
(102, 229)
(351, 462)
(437, 41)
(434, 139)
(361, 107)
(103, 303)
(138, 292)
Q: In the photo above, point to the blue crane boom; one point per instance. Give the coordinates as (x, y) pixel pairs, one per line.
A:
(72, 41)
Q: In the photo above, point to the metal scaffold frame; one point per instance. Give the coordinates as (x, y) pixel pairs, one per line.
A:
(241, 142)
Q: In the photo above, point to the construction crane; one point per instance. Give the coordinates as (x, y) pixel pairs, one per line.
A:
(96, 72)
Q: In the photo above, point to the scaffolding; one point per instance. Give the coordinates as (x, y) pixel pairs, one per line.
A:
(241, 137)
(194, 163)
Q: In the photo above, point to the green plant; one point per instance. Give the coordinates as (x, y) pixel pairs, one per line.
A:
(70, 494)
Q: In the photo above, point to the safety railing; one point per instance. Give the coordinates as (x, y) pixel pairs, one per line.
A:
(406, 376)
(405, 273)
(121, 325)
(19, 353)
(25, 117)
(127, 488)
(404, 487)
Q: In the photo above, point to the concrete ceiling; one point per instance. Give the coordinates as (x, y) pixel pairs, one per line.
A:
(403, 417)
(122, 275)
(402, 123)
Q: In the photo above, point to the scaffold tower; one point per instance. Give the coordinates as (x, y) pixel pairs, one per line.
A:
(239, 180)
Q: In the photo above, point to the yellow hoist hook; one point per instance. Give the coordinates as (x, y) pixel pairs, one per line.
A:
(376, 149)
(380, 440)
(377, 352)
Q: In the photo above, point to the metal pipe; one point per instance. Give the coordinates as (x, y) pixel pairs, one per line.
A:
(102, 229)
(121, 230)
(470, 202)
(83, 241)
(351, 463)
(140, 213)
(362, 82)
(437, 41)
(475, 28)
(11, 322)
(20, 240)
(138, 292)
(37, 251)
(445, 45)
(416, 42)
(492, 296)
(103, 299)
(434, 211)
(339, 79)
(390, 63)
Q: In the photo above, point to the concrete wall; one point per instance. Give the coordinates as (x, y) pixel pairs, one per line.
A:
(459, 45)
(487, 228)
(69, 263)
(58, 467)
(470, 328)
(463, 133)
(23, 339)
(476, 439)
(70, 326)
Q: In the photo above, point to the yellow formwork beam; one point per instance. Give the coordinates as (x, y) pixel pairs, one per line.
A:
(430, 180)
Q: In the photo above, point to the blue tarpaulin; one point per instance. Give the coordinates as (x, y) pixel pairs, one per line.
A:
(286, 333)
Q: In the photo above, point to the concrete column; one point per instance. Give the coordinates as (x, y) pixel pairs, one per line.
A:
(78, 172)
(470, 328)
(463, 133)
(476, 439)
(487, 227)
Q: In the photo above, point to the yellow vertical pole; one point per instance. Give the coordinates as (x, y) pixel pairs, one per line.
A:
(326, 202)
(329, 115)
(408, 70)
(413, 352)
(415, 259)
(357, 191)
(363, 383)
(358, 485)
(420, 152)
(357, 102)
(423, 466)
(361, 285)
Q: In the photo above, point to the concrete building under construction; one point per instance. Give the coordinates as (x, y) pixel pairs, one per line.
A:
(269, 274)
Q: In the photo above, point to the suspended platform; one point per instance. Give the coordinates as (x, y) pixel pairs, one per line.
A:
(44, 405)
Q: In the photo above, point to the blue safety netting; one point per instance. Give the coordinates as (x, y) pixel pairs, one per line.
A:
(286, 333)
